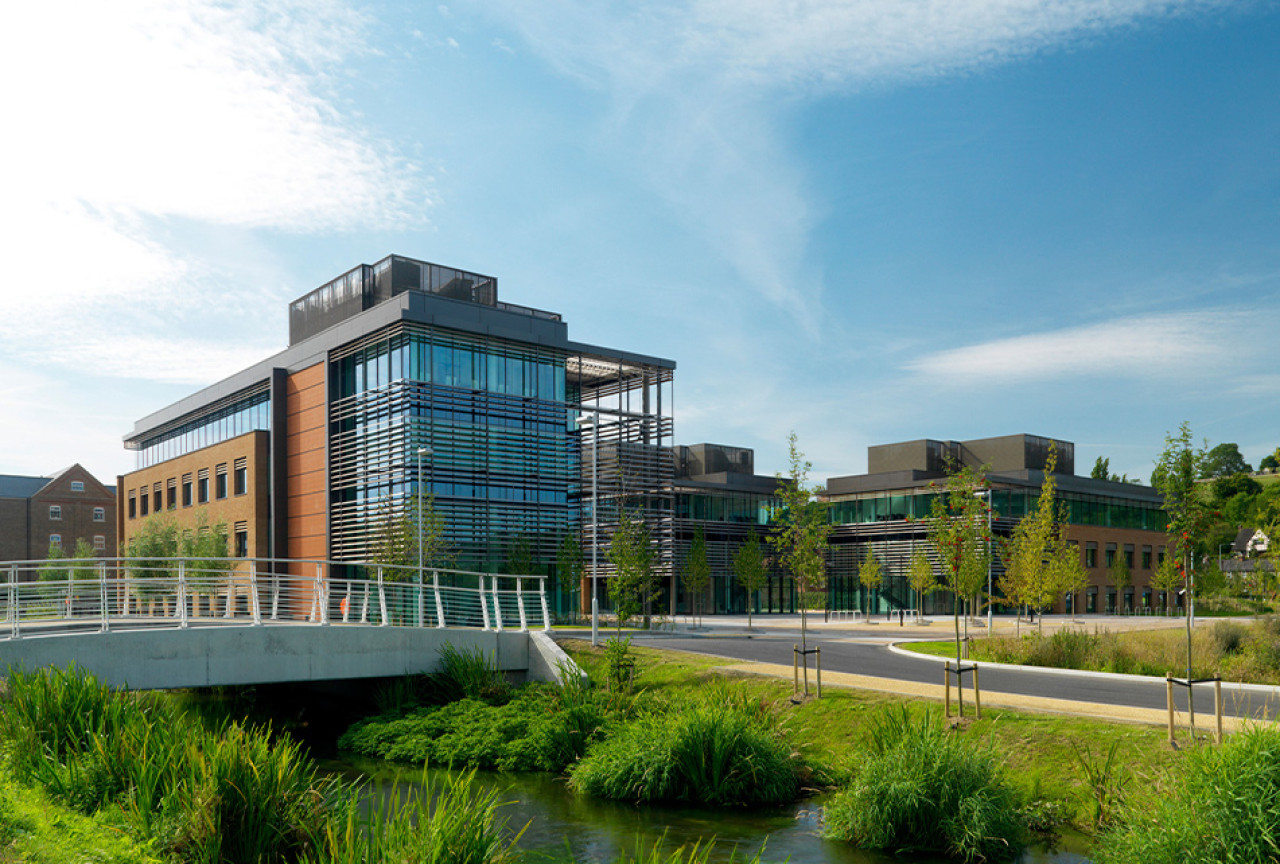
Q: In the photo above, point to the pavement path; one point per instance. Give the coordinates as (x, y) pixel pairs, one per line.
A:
(860, 655)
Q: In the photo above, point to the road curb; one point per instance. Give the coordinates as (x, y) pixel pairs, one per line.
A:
(895, 647)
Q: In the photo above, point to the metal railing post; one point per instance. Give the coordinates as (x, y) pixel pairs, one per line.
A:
(497, 605)
(15, 613)
(382, 599)
(182, 594)
(542, 593)
(524, 621)
(484, 604)
(275, 593)
(102, 595)
(253, 593)
(324, 595)
(231, 592)
(435, 585)
(422, 613)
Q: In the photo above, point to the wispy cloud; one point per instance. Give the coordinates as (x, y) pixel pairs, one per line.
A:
(699, 89)
(1144, 347)
(162, 112)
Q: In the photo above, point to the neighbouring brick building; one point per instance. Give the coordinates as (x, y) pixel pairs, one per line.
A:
(37, 513)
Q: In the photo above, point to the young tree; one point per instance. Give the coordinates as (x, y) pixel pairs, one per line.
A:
(1071, 577)
(520, 559)
(569, 565)
(957, 530)
(415, 535)
(921, 578)
(697, 572)
(870, 575)
(631, 554)
(1166, 578)
(1120, 576)
(801, 536)
(1036, 554)
(748, 566)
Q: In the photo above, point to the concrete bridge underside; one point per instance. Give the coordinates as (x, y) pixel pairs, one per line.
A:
(156, 659)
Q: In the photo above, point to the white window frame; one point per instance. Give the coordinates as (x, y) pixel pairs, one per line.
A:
(55, 512)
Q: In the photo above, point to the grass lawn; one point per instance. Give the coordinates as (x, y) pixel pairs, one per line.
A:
(1037, 749)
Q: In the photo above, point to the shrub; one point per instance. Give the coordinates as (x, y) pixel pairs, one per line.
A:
(717, 752)
(1221, 805)
(466, 673)
(925, 789)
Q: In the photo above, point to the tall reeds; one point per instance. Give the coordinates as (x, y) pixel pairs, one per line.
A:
(922, 788)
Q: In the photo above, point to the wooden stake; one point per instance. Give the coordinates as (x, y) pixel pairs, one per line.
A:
(795, 669)
(819, 655)
(946, 688)
(1217, 702)
(1168, 695)
(977, 698)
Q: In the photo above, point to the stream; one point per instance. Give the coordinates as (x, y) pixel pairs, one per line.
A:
(564, 827)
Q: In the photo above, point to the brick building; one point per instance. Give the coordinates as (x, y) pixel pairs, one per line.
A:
(39, 513)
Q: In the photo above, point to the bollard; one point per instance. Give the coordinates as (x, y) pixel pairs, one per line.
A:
(946, 688)
(1168, 693)
(977, 698)
(1217, 702)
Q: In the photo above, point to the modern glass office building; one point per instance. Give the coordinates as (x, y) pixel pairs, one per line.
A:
(406, 378)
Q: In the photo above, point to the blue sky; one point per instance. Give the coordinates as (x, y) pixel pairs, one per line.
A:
(867, 221)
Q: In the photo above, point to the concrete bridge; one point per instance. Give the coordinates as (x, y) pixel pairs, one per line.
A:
(196, 623)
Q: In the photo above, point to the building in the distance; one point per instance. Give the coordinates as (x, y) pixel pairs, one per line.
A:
(405, 378)
(885, 510)
(38, 514)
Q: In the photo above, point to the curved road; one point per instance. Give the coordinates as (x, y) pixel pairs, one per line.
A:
(872, 657)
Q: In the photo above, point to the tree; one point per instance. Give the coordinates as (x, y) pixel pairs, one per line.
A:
(870, 574)
(1072, 578)
(1166, 578)
(801, 536)
(569, 564)
(697, 571)
(1101, 469)
(520, 559)
(957, 530)
(416, 534)
(1179, 465)
(1223, 461)
(921, 578)
(1270, 462)
(1120, 576)
(1037, 558)
(748, 566)
(632, 556)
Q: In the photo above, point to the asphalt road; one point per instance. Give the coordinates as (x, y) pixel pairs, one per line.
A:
(873, 658)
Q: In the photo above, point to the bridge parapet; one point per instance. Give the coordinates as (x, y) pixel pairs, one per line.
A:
(105, 594)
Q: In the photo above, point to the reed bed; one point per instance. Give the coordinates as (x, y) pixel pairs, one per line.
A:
(922, 788)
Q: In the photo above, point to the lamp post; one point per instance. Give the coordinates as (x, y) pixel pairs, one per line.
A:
(595, 517)
(422, 451)
(987, 493)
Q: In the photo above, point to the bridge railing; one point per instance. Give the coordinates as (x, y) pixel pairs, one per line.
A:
(55, 596)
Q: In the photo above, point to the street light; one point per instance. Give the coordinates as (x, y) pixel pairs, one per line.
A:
(990, 593)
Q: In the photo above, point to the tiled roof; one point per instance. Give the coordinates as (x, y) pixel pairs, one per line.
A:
(19, 486)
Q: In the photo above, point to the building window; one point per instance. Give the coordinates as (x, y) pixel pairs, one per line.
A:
(1146, 557)
(242, 476)
(55, 513)
(133, 506)
(1111, 554)
(1128, 555)
(99, 543)
(55, 541)
(221, 488)
(99, 514)
(142, 500)
(77, 485)
(1160, 557)
(242, 540)
(172, 490)
(1091, 554)
(202, 487)
(186, 490)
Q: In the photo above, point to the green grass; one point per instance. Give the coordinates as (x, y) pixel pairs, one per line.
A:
(35, 830)
(1221, 807)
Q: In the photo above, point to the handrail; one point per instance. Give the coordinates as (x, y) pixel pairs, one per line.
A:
(112, 594)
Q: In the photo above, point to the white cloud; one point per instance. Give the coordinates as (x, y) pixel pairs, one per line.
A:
(140, 115)
(1144, 347)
